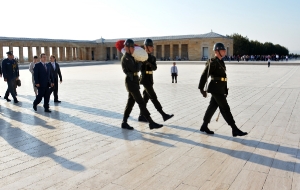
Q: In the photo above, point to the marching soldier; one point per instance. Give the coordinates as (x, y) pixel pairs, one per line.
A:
(147, 81)
(218, 88)
(131, 69)
(10, 71)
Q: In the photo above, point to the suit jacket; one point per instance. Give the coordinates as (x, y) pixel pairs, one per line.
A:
(55, 72)
(41, 76)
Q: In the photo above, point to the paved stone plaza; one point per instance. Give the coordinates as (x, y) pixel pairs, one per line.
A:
(80, 145)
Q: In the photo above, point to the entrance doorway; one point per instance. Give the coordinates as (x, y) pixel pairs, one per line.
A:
(204, 53)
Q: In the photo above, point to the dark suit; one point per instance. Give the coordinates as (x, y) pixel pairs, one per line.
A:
(55, 73)
(44, 78)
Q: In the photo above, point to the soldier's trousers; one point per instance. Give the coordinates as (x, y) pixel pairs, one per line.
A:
(149, 93)
(132, 98)
(11, 88)
(218, 100)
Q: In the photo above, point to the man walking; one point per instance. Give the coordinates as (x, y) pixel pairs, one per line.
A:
(174, 72)
(218, 88)
(131, 69)
(10, 71)
(147, 81)
(55, 71)
(43, 80)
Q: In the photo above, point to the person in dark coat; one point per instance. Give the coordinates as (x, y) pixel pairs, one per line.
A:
(43, 81)
(10, 71)
(131, 69)
(55, 71)
(218, 88)
(146, 80)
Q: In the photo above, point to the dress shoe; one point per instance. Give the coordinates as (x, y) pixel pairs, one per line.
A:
(7, 99)
(34, 107)
(142, 119)
(237, 132)
(204, 128)
(126, 126)
(57, 101)
(167, 116)
(16, 101)
(154, 125)
(48, 110)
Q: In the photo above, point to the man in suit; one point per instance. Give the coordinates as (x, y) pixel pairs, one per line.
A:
(10, 71)
(43, 80)
(55, 71)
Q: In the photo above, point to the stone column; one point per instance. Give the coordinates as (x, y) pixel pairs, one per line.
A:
(179, 50)
(62, 53)
(75, 54)
(54, 52)
(78, 53)
(154, 51)
(88, 50)
(10, 47)
(67, 54)
(30, 56)
(171, 51)
(21, 57)
(38, 51)
(83, 51)
(70, 57)
(1, 51)
(47, 51)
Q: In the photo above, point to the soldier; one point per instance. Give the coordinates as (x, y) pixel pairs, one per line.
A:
(10, 71)
(218, 89)
(131, 69)
(147, 81)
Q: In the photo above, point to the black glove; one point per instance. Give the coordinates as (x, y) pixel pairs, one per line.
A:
(204, 93)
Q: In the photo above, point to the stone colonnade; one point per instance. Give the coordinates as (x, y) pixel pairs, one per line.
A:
(63, 51)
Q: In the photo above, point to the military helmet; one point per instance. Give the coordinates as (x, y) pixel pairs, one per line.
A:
(129, 43)
(219, 46)
(148, 42)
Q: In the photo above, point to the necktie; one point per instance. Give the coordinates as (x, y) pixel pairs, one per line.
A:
(45, 67)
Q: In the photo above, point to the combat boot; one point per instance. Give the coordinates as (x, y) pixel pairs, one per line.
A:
(126, 126)
(142, 119)
(204, 128)
(152, 124)
(165, 116)
(237, 132)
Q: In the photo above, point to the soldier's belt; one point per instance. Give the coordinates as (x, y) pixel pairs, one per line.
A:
(135, 74)
(219, 78)
(149, 72)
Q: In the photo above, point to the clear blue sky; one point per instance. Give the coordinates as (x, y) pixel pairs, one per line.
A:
(275, 21)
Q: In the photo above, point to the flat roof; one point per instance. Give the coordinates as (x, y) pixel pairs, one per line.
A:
(178, 37)
(45, 40)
